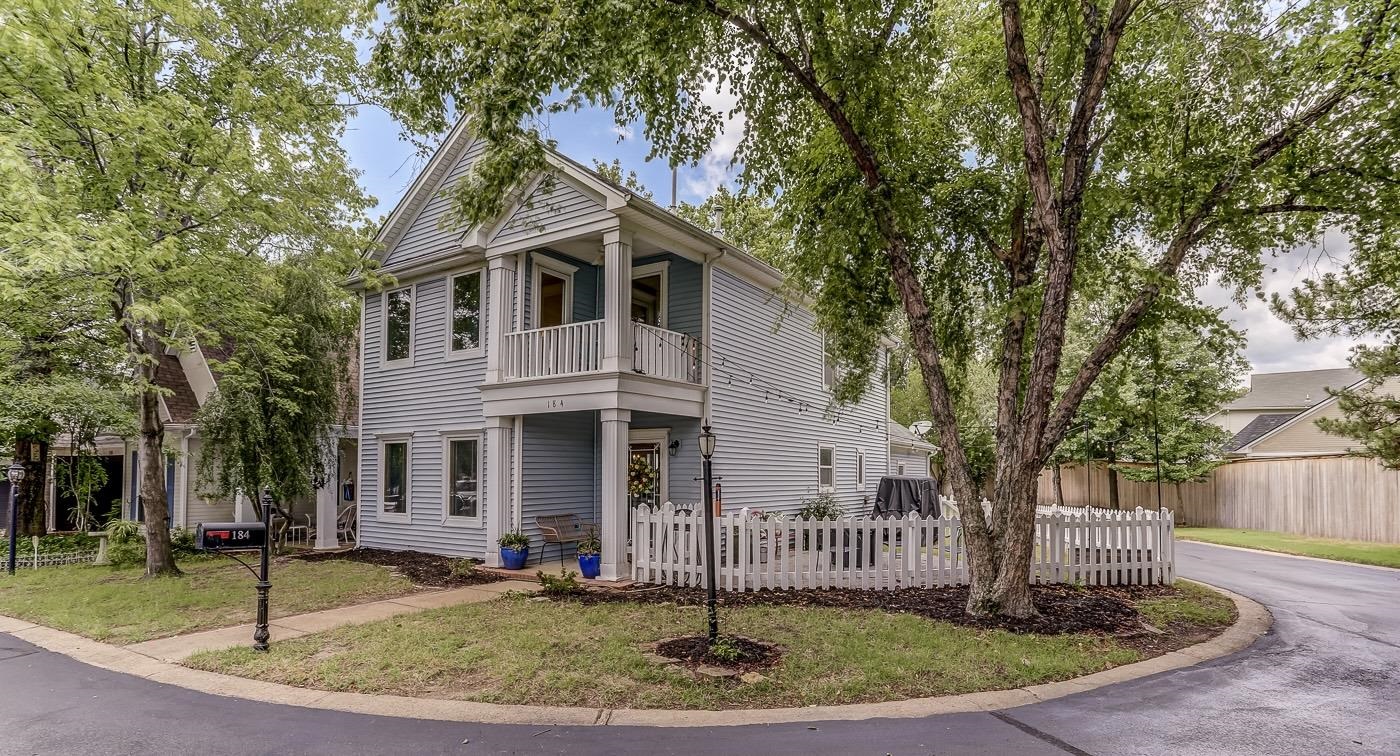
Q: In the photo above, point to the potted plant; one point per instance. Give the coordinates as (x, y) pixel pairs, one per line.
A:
(590, 555)
(515, 550)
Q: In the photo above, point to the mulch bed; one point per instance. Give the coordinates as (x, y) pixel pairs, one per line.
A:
(694, 650)
(1063, 609)
(421, 569)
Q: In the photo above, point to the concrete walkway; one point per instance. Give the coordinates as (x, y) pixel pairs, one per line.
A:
(180, 647)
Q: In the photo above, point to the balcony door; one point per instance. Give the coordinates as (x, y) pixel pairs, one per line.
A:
(553, 292)
(649, 295)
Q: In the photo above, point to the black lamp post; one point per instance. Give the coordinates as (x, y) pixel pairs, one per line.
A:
(707, 450)
(16, 474)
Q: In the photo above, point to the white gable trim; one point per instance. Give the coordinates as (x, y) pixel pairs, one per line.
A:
(453, 145)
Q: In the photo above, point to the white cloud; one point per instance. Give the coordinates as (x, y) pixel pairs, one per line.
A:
(1272, 345)
(716, 168)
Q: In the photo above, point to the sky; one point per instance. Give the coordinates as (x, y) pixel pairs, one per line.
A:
(388, 164)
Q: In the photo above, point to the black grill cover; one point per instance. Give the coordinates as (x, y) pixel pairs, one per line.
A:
(898, 495)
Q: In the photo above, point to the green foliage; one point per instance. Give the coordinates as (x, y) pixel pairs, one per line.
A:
(564, 584)
(1362, 300)
(464, 569)
(513, 540)
(284, 387)
(53, 544)
(821, 507)
(127, 544)
(170, 152)
(726, 650)
(626, 179)
(123, 531)
(590, 544)
(746, 220)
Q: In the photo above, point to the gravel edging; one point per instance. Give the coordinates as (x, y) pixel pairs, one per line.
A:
(1253, 622)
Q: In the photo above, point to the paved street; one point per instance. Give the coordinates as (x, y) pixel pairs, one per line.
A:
(1324, 681)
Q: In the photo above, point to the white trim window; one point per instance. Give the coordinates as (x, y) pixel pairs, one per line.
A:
(860, 469)
(394, 501)
(829, 374)
(826, 468)
(397, 330)
(899, 469)
(559, 309)
(653, 304)
(462, 463)
(465, 300)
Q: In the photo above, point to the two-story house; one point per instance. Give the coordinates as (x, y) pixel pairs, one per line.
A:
(562, 360)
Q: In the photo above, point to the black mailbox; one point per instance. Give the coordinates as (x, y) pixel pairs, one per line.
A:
(230, 536)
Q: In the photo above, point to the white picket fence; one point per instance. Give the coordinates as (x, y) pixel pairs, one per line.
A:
(1107, 547)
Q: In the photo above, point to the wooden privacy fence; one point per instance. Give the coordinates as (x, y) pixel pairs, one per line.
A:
(1104, 547)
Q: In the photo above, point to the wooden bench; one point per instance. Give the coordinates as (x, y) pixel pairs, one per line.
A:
(560, 529)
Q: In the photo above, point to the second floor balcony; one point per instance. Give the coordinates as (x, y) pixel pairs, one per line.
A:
(577, 349)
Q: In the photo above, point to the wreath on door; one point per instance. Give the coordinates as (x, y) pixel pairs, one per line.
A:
(641, 477)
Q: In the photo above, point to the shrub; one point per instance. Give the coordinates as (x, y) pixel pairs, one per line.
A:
(124, 531)
(182, 542)
(725, 649)
(127, 553)
(822, 507)
(514, 540)
(462, 568)
(564, 584)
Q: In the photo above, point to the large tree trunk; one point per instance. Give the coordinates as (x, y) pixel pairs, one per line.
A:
(159, 558)
(1112, 479)
(1059, 487)
(31, 499)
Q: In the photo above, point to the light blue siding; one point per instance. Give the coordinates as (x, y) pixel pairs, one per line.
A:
(429, 234)
(560, 471)
(432, 395)
(587, 291)
(555, 203)
(767, 448)
(682, 469)
(685, 292)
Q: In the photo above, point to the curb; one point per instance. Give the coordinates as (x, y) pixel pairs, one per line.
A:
(1254, 620)
(1286, 555)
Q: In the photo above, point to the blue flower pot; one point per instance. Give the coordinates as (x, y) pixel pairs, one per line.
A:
(514, 559)
(590, 564)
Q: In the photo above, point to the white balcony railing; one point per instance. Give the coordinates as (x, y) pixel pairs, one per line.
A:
(577, 349)
(665, 354)
(570, 349)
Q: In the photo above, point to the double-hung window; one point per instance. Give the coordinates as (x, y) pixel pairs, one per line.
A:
(464, 336)
(398, 326)
(826, 468)
(394, 456)
(462, 467)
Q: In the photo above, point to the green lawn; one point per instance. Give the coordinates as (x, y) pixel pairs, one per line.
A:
(122, 606)
(1361, 552)
(565, 653)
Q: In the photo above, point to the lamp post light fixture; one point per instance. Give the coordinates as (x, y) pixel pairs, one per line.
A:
(15, 474)
(707, 450)
(260, 630)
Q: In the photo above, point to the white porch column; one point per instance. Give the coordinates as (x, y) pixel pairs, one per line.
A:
(327, 511)
(497, 484)
(500, 291)
(614, 491)
(617, 302)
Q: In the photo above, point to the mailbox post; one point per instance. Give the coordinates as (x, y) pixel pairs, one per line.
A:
(225, 537)
(260, 633)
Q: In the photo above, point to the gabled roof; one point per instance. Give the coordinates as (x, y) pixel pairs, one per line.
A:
(903, 437)
(1293, 390)
(1257, 428)
(180, 401)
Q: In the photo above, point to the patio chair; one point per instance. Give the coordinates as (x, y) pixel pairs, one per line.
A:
(347, 525)
(560, 529)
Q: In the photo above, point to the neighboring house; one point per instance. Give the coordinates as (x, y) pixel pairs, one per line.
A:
(188, 381)
(909, 454)
(1277, 417)
(562, 359)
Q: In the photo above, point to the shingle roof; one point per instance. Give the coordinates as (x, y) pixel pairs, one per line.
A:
(1258, 427)
(1300, 389)
(180, 400)
(905, 437)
